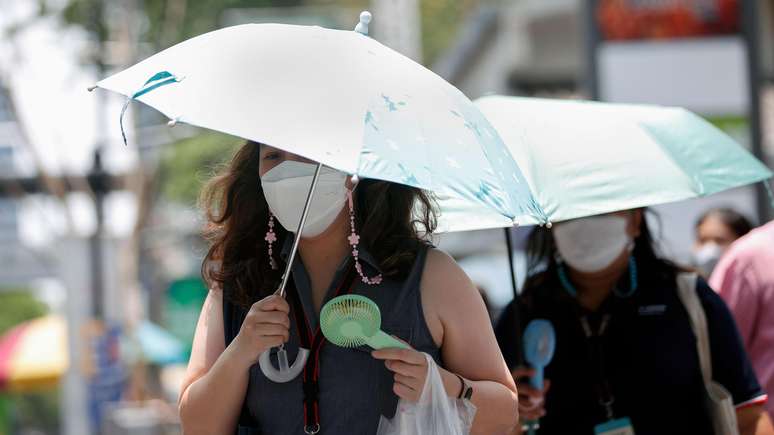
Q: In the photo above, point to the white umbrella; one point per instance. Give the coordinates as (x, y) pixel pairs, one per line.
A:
(341, 99)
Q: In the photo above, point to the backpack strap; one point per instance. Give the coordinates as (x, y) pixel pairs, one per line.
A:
(686, 290)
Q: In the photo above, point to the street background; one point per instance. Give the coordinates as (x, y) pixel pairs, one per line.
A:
(105, 238)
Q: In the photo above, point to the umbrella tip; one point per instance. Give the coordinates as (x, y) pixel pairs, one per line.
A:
(362, 26)
(172, 122)
(91, 88)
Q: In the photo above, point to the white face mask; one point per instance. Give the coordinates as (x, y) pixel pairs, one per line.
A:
(286, 187)
(707, 257)
(593, 243)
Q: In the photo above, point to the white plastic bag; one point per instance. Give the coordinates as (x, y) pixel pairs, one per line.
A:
(434, 414)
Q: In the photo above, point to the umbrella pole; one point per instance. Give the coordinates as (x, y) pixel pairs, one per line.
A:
(297, 238)
(516, 320)
(509, 244)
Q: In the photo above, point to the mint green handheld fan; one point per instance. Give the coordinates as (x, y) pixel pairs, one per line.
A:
(354, 320)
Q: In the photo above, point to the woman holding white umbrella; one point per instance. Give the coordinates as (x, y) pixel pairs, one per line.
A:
(366, 231)
(381, 130)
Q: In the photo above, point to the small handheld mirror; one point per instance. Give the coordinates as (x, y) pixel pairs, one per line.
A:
(354, 320)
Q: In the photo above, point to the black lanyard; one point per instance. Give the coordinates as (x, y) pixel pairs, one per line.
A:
(594, 339)
(314, 342)
(596, 357)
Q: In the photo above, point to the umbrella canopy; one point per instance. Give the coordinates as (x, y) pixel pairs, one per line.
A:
(586, 158)
(34, 354)
(344, 100)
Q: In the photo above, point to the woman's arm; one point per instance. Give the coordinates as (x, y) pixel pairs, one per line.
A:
(458, 320)
(459, 323)
(212, 372)
(216, 380)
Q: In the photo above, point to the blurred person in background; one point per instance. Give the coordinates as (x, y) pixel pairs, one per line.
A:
(716, 229)
(363, 238)
(745, 280)
(625, 347)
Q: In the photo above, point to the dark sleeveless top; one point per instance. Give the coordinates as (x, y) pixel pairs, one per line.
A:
(354, 388)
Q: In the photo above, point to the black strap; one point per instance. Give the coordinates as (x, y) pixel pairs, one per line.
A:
(596, 355)
(314, 342)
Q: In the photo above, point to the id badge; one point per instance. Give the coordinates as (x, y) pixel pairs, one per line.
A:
(619, 426)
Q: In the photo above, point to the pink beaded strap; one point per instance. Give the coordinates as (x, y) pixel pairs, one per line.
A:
(354, 239)
(270, 238)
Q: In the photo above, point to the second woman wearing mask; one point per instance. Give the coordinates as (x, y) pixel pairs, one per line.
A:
(625, 349)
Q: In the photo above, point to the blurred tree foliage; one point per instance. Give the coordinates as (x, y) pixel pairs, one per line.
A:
(188, 163)
(36, 413)
(17, 306)
(171, 21)
(441, 21)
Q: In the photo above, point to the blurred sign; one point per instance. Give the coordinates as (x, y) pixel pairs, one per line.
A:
(183, 304)
(666, 19)
(103, 369)
(707, 75)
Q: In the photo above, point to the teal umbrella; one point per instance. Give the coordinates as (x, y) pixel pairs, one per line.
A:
(583, 158)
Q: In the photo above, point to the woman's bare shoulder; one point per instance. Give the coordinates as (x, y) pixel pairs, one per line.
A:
(443, 275)
(446, 288)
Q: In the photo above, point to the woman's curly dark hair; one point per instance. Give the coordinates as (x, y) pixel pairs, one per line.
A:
(394, 221)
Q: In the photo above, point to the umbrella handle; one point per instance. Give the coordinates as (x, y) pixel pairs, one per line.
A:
(285, 372)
